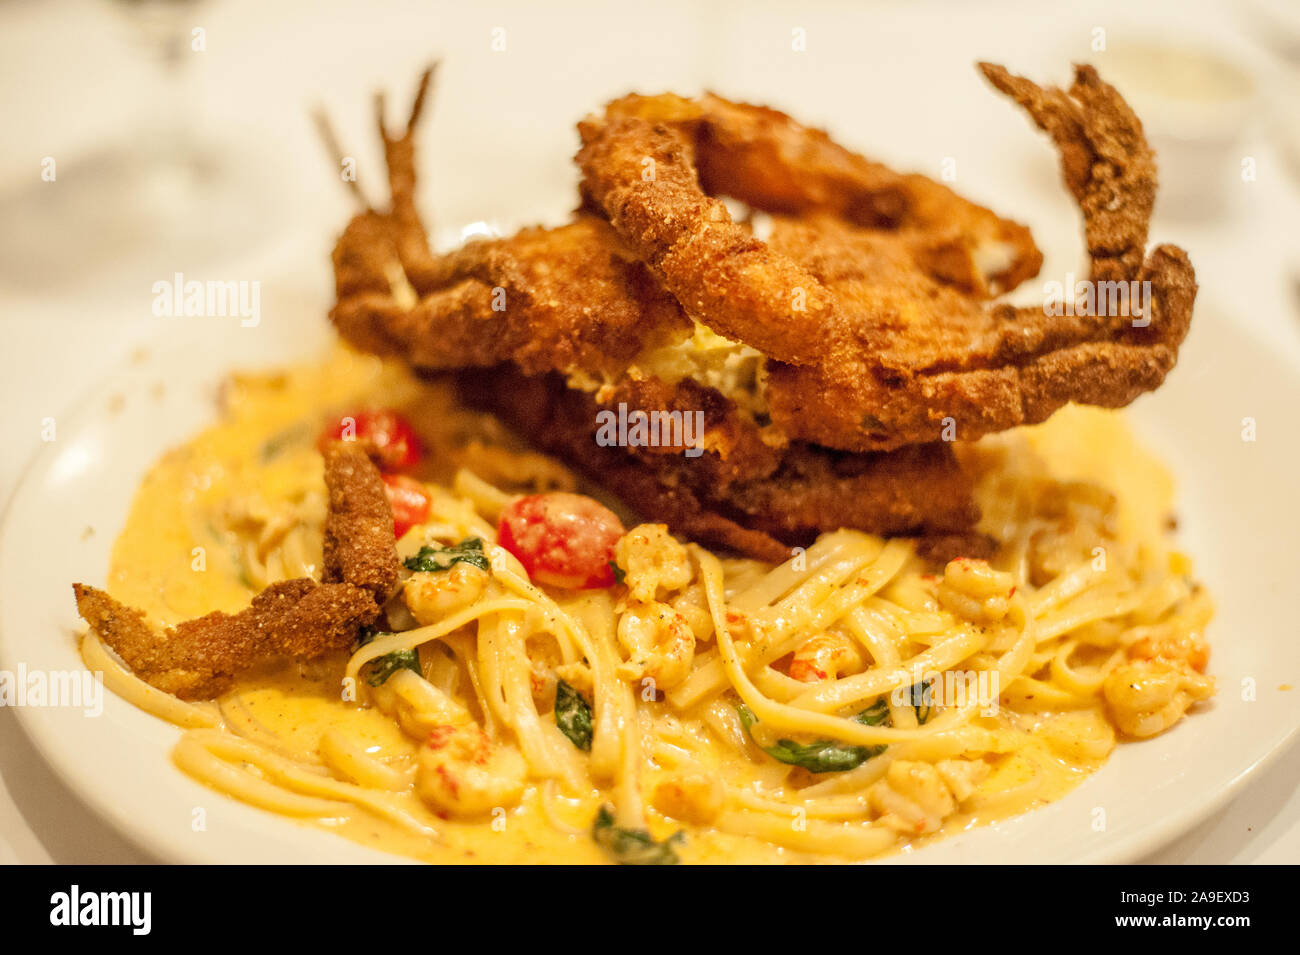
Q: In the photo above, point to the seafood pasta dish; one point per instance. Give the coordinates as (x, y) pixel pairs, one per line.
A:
(685, 531)
(874, 697)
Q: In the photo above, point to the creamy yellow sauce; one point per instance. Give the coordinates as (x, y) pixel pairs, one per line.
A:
(177, 559)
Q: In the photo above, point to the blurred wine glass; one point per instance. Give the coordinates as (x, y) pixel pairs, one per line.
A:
(160, 194)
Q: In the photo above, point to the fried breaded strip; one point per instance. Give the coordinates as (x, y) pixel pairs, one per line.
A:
(568, 299)
(199, 658)
(908, 357)
(736, 448)
(574, 304)
(359, 547)
(558, 421)
(572, 299)
(765, 158)
(723, 276)
(1017, 366)
(1105, 160)
(653, 164)
(901, 355)
(297, 618)
(918, 490)
(941, 359)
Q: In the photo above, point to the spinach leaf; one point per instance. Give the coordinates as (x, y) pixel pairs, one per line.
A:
(430, 558)
(380, 669)
(573, 715)
(632, 846)
(921, 693)
(877, 714)
(823, 756)
(619, 573)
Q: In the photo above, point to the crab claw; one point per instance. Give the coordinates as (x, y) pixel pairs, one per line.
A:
(922, 362)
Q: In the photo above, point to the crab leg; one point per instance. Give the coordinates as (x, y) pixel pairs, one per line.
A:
(298, 618)
(927, 362)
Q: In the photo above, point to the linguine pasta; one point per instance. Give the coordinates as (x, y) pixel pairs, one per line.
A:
(852, 701)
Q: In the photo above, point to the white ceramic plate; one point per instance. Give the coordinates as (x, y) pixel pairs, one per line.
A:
(1237, 503)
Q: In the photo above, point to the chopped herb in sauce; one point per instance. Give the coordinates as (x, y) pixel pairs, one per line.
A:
(573, 715)
(632, 846)
(378, 670)
(431, 559)
(823, 756)
(921, 701)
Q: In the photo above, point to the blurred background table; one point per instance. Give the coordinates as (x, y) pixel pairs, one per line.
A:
(85, 85)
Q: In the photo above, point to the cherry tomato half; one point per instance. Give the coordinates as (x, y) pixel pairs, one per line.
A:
(410, 502)
(395, 443)
(563, 540)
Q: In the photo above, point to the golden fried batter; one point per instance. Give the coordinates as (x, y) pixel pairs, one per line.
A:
(931, 363)
(904, 354)
(919, 490)
(571, 299)
(568, 299)
(865, 306)
(199, 658)
(1106, 162)
(763, 157)
(954, 370)
(653, 164)
(359, 546)
(292, 618)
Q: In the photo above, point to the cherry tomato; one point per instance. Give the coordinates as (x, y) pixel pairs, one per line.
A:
(409, 500)
(395, 442)
(564, 540)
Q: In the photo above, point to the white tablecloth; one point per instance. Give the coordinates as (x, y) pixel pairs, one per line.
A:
(894, 79)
